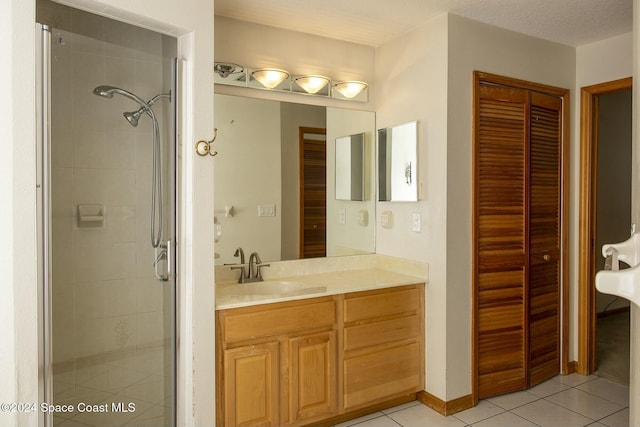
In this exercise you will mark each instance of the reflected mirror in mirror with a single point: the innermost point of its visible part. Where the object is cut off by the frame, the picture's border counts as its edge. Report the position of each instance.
(275, 181)
(398, 163)
(350, 160)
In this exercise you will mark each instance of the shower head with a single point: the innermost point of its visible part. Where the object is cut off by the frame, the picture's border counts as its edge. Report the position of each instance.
(104, 91)
(133, 116)
(108, 91)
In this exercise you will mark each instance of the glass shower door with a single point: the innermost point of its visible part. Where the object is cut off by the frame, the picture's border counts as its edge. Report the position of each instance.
(110, 279)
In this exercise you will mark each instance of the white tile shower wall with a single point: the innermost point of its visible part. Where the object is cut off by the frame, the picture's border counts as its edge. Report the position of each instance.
(109, 309)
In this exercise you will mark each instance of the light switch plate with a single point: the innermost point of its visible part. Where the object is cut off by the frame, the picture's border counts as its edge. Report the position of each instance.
(342, 216)
(416, 222)
(266, 210)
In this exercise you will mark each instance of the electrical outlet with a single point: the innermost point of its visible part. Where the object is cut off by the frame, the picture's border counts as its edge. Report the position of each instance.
(386, 219)
(363, 217)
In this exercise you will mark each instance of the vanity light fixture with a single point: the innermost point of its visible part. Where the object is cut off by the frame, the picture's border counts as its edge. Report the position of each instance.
(225, 69)
(350, 89)
(270, 77)
(312, 84)
(232, 74)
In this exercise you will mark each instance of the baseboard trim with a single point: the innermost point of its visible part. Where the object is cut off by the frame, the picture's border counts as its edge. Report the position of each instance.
(445, 408)
(572, 367)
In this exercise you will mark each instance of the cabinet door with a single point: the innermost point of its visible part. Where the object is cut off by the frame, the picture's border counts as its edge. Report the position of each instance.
(251, 385)
(312, 377)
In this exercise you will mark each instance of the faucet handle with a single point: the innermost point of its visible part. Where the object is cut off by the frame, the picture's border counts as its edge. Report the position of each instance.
(259, 267)
(242, 277)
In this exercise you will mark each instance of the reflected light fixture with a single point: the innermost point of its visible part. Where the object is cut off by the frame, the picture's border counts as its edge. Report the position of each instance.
(312, 84)
(225, 69)
(350, 89)
(270, 77)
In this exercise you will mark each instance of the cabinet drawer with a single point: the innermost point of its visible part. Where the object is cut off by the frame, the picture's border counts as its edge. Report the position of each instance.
(376, 333)
(279, 320)
(381, 375)
(384, 303)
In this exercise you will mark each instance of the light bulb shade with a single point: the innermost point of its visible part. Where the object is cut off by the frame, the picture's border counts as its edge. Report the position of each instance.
(312, 84)
(350, 89)
(270, 77)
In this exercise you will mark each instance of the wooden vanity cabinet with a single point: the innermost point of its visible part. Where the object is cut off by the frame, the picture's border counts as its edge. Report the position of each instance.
(277, 363)
(305, 362)
(383, 353)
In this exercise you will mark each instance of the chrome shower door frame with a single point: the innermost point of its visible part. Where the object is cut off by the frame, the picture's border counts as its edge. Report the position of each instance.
(44, 221)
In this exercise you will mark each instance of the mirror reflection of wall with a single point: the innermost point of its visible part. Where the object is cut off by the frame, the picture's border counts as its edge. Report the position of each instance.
(398, 163)
(257, 174)
(350, 161)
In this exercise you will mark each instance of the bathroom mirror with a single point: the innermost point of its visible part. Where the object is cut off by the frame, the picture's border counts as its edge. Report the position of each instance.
(398, 163)
(350, 161)
(275, 180)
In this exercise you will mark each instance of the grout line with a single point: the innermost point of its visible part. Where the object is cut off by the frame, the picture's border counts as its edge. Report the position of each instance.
(608, 400)
(521, 417)
(571, 410)
(621, 410)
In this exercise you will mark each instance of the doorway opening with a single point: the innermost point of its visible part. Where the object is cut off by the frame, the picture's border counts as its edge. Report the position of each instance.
(605, 197)
(107, 219)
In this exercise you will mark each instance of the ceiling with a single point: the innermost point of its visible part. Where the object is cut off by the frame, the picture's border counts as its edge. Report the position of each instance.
(375, 22)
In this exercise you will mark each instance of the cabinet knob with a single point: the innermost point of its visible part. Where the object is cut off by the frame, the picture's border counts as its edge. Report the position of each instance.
(546, 257)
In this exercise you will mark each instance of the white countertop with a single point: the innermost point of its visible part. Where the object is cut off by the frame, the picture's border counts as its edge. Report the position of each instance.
(231, 294)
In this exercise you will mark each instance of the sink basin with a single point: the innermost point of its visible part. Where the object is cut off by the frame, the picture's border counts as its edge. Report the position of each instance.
(271, 288)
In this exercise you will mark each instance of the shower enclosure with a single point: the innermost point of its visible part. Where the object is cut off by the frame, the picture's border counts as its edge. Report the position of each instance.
(108, 220)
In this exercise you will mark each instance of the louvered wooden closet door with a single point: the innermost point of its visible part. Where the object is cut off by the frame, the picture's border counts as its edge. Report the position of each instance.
(544, 219)
(517, 239)
(501, 241)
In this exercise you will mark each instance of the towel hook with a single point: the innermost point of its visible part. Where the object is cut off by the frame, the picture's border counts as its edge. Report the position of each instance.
(204, 147)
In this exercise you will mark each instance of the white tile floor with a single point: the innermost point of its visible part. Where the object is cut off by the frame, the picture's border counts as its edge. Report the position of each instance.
(568, 401)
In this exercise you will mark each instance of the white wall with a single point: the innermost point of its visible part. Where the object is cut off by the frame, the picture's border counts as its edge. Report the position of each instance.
(411, 82)
(18, 291)
(192, 22)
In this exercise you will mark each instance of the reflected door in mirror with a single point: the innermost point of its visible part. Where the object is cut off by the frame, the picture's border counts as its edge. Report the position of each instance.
(313, 192)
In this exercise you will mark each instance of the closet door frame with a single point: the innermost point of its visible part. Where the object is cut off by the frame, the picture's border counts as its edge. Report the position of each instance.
(480, 78)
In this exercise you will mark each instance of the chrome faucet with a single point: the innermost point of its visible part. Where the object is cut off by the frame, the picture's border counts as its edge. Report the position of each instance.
(255, 275)
(252, 273)
(239, 252)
